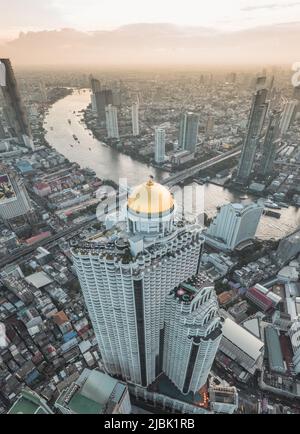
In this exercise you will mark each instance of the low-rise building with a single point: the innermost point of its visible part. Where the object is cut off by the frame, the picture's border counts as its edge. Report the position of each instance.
(94, 393)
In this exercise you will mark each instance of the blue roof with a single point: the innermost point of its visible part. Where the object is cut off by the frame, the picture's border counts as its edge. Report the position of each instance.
(274, 350)
(24, 166)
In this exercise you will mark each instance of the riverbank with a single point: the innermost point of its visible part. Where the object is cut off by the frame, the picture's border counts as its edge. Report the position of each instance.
(110, 164)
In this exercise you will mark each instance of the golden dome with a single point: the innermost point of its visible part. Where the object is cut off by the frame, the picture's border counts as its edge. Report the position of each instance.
(150, 198)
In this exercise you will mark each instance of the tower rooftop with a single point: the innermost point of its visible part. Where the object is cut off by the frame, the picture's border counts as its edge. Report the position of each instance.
(150, 198)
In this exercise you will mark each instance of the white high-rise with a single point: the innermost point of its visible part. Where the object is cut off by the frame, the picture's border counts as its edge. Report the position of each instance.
(287, 116)
(135, 119)
(235, 223)
(127, 284)
(193, 333)
(160, 143)
(111, 114)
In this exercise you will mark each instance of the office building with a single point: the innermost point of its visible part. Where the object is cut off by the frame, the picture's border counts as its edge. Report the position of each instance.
(160, 143)
(14, 199)
(127, 281)
(233, 225)
(255, 123)
(270, 145)
(188, 135)
(135, 119)
(14, 110)
(288, 116)
(103, 98)
(209, 126)
(95, 84)
(192, 333)
(111, 114)
(94, 392)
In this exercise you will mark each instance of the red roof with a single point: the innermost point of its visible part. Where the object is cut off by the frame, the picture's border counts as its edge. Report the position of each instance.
(38, 237)
(260, 296)
(41, 185)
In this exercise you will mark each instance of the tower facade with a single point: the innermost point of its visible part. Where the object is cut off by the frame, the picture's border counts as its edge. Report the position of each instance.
(288, 115)
(255, 123)
(111, 114)
(127, 284)
(270, 145)
(193, 333)
(188, 131)
(160, 145)
(14, 110)
(103, 98)
(234, 224)
(135, 119)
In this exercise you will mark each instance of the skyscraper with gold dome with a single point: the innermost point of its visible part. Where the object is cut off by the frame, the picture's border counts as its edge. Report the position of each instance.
(129, 282)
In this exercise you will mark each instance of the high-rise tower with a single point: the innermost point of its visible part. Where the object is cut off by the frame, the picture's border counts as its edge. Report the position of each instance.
(193, 333)
(135, 119)
(14, 109)
(234, 224)
(288, 115)
(112, 128)
(160, 143)
(255, 123)
(128, 284)
(188, 131)
(270, 144)
(102, 98)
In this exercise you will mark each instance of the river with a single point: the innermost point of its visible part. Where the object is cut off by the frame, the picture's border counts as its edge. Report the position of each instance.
(111, 164)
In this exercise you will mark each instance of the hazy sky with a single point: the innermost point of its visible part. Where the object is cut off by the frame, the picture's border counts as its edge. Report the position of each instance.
(24, 15)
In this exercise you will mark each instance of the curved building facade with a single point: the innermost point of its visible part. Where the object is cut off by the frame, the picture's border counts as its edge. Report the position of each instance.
(234, 224)
(193, 333)
(127, 285)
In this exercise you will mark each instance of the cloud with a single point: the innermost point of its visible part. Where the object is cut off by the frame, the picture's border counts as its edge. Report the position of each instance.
(157, 44)
(270, 6)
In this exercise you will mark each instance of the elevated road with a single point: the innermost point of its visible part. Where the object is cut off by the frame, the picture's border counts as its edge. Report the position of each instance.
(73, 230)
(181, 176)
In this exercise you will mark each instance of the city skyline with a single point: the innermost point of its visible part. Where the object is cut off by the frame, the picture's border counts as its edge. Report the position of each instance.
(150, 209)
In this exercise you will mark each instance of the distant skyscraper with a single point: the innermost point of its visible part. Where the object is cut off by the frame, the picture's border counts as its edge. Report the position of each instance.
(188, 131)
(288, 116)
(160, 142)
(270, 145)
(103, 98)
(135, 119)
(209, 126)
(112, 128)
(14, 109)
(95, 84)
(127, 283)
(234, 224)
(255, 123)
(260, 82)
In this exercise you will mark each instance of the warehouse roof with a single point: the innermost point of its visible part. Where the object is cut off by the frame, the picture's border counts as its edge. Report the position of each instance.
(240, 337)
